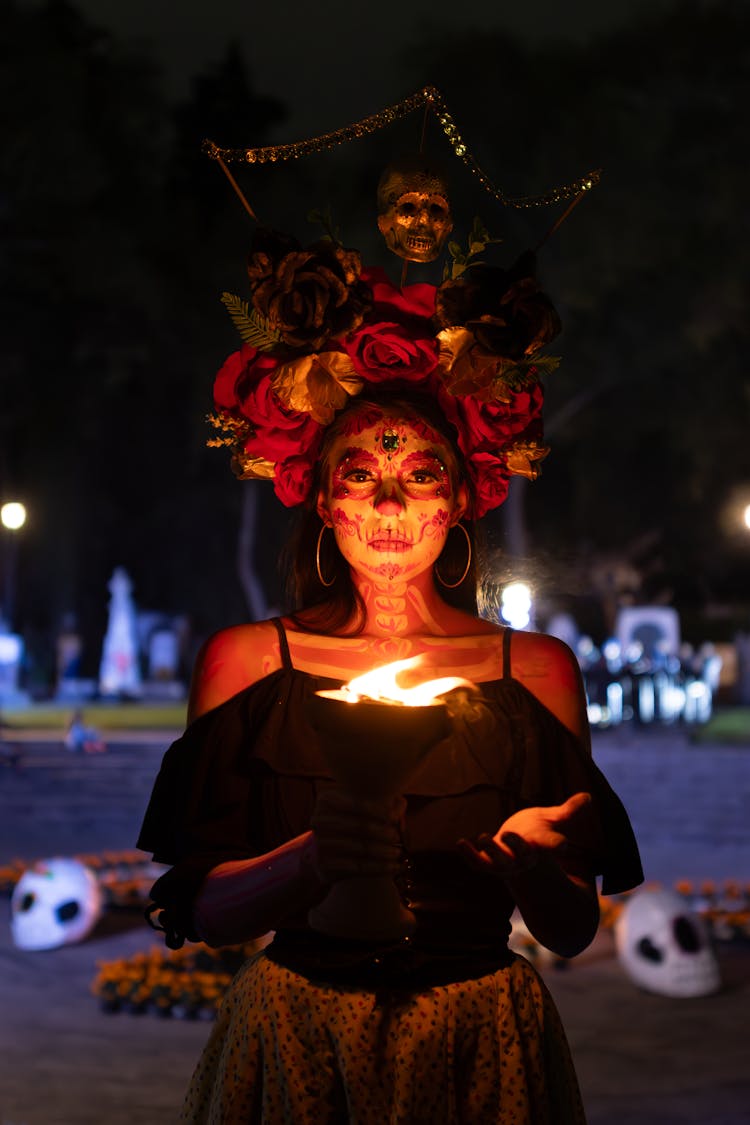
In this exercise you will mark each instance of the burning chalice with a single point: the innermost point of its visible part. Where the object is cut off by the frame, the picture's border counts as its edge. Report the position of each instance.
(373, 736)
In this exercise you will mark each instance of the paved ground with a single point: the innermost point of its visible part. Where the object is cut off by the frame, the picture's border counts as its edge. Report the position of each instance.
(641, 1058)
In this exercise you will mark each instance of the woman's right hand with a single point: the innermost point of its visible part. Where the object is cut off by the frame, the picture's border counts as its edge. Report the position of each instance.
(355, 837)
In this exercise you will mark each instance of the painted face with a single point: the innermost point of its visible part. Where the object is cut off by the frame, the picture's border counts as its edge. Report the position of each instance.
(390, 499)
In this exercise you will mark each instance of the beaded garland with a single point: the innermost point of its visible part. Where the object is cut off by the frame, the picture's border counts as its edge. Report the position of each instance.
(429, 97)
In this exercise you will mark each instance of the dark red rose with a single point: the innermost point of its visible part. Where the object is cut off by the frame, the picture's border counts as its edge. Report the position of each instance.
(525, 321)
(310, 296)
(505, 309)
(238, 372)
(278, 433)
(386, 350)
(268, 247)
(461, 299)
(293, 480)
(259, 267)
(490, 478)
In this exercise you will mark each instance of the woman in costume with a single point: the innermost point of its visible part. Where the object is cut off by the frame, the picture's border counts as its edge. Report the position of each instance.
(394, 417)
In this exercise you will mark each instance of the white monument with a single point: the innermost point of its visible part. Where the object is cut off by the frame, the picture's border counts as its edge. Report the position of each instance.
(655, 627)
(119, 673)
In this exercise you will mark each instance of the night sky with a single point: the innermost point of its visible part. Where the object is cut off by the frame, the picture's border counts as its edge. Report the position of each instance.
(335, 61)
(656, 102)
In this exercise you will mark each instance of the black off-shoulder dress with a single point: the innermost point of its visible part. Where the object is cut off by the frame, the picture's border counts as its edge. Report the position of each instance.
(447, 1027)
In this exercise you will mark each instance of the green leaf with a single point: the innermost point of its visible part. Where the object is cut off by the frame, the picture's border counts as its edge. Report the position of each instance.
(479, 231)
(546, 364)
(252, 327)
(527, 371)
(326, 221)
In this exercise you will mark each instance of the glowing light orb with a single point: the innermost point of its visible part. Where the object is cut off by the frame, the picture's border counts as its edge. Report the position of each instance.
(515, 606)
(13, 516)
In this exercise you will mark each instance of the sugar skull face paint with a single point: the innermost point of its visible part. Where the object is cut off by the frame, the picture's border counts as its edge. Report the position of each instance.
(390, 499)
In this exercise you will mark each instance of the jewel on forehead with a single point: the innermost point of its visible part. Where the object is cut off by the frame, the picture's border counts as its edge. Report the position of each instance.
(390, 441)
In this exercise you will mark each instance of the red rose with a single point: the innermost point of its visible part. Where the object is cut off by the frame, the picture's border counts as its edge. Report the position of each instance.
(487, 426)
(386, 350)
(278, 433)
(482, 426)
(239, 370)
(411, 301)
(293, 480)
(490, 477)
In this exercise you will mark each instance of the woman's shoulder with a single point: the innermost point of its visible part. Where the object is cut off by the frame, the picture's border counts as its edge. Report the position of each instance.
(548, 668)
(231, 660)
(541, 650)
(461, 623)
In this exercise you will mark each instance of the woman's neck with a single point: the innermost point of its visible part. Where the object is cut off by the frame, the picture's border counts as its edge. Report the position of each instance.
(403, 609)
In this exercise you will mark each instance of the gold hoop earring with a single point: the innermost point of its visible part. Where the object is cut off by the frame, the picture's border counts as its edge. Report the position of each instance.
(453, 585)
(317, 560)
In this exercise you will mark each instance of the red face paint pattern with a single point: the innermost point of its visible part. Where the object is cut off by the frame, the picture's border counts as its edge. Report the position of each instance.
(421, 475)
(391, 506)
(347, 525)
(358, 421)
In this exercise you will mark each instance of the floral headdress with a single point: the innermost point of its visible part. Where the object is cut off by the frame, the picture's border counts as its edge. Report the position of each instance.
(319, 330)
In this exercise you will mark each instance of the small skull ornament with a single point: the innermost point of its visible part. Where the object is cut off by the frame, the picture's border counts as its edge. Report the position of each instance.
(414, 214)
(664, 946)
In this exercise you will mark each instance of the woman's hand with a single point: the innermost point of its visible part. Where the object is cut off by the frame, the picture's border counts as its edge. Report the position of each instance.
(353, 837)
(559, 906)
(527, 837)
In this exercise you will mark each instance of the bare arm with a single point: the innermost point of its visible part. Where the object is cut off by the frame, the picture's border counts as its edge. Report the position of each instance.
(550, 671)
(559, 905)
(530, 852)
(243, 899)
(561, 910)
(230, 661)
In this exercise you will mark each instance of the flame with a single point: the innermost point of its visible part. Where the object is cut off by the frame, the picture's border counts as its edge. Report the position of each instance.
(381, 685)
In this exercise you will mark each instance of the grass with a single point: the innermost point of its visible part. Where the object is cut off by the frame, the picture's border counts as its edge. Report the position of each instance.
(103, 716)
(728, 725)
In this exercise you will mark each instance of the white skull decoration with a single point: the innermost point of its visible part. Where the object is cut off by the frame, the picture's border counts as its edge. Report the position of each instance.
(414, 214)
(55, 902)
(664, 947)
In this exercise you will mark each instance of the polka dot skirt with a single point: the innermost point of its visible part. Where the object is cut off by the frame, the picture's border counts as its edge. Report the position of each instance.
(284, 1051)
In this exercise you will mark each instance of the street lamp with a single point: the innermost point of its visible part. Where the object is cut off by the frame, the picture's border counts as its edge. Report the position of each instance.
(12, 517)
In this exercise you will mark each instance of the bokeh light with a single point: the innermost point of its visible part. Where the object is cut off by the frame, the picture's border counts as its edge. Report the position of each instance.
(13, 515)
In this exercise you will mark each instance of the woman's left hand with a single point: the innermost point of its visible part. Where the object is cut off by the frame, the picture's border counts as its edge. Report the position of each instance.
(526, 837)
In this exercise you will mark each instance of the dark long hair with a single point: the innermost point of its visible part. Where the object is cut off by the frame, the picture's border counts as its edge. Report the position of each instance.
(338, 608)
